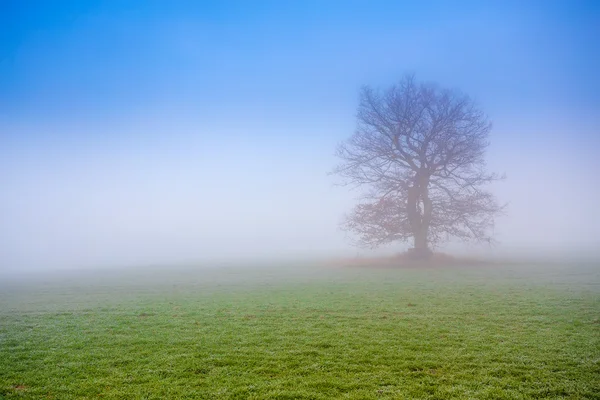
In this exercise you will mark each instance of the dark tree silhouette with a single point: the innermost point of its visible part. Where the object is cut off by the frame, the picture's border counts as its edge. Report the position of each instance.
(419, 150)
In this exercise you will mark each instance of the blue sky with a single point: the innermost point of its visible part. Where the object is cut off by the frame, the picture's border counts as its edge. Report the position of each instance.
(140, 131)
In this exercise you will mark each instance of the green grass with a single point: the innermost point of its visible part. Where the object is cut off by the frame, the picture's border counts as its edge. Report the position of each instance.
(304, 333)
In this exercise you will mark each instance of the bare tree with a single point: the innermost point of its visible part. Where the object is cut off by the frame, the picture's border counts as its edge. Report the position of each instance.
(419, 150)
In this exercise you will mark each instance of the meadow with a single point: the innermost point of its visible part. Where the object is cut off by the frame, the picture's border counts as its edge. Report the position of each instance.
(303, 332)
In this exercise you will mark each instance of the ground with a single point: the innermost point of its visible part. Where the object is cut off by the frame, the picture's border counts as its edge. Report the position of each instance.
(304, 332)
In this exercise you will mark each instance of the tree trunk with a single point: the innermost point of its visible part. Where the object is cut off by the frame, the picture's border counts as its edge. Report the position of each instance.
(419, 218)
(421, 249)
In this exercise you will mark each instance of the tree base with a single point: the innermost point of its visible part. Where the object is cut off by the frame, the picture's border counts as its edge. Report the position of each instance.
(419, 254)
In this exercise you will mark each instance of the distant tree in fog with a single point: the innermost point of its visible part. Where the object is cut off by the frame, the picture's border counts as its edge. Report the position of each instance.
(419, 151)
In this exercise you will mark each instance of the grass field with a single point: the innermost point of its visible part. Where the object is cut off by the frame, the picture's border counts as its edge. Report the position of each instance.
(303, 332)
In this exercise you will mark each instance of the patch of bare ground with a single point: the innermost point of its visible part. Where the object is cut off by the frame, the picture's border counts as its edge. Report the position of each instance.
(406, 260)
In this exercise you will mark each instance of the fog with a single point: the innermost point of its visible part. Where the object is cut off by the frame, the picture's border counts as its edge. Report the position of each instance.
(180, 137)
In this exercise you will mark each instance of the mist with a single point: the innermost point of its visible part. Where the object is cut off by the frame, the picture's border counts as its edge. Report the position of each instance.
(160, 137)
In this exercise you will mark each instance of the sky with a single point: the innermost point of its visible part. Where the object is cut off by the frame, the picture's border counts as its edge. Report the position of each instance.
(148, 132)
